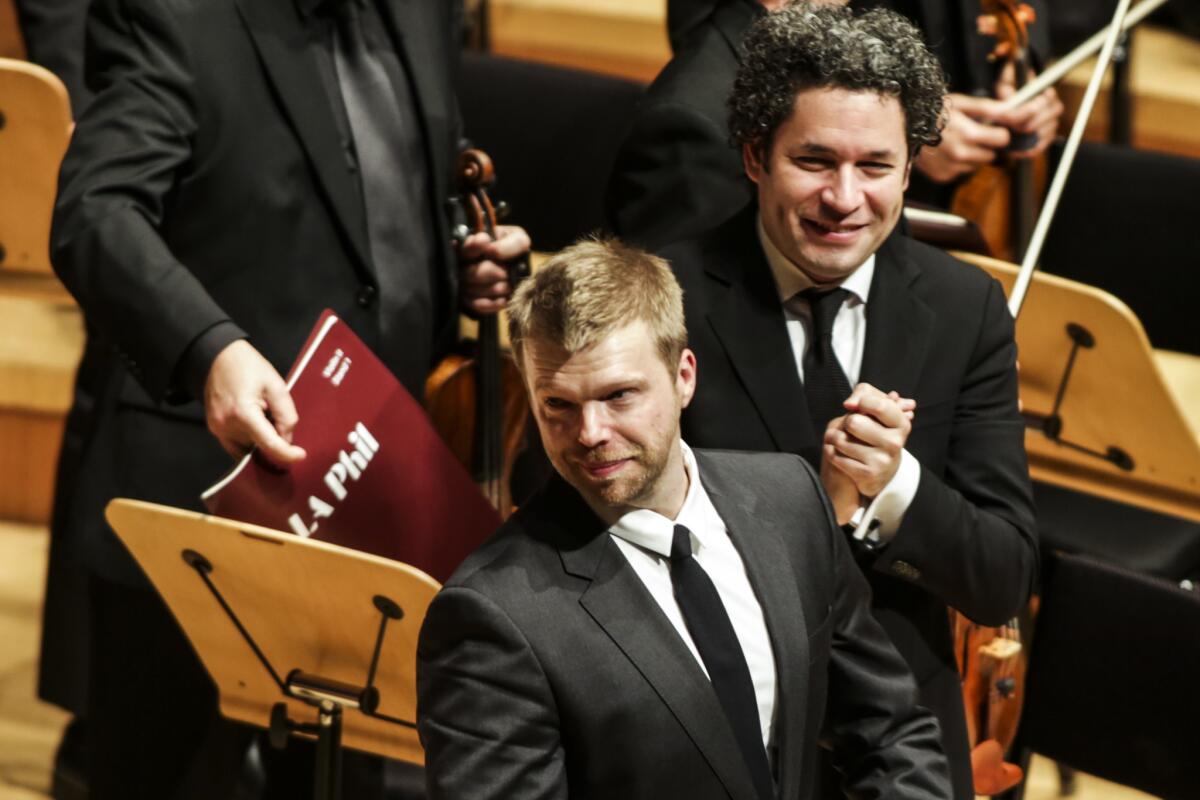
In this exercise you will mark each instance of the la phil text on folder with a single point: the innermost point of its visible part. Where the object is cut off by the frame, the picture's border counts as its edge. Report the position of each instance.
(377, 477)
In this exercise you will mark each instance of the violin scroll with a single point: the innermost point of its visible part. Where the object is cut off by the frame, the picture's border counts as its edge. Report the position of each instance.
(472, 209)
(1008, 22)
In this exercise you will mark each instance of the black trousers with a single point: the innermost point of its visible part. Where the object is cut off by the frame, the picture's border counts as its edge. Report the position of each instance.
(153, 727)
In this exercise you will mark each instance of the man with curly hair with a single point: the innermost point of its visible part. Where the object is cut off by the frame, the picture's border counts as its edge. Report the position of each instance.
(887, 364)
(676, 175)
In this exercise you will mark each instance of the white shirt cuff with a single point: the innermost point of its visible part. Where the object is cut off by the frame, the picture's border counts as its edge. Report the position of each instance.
(880, 520)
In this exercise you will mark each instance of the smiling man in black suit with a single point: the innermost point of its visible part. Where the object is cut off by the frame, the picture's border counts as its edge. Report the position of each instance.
(818, 326)
(676, 176)
(659, 621)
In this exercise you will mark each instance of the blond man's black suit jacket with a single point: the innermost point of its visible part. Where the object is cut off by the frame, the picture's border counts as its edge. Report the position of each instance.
(546, 669)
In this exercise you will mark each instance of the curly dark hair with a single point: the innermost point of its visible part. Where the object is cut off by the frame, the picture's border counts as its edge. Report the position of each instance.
(807, 46)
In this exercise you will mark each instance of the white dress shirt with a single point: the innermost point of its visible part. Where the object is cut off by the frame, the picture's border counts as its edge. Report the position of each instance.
(644, 537)
(880, 519)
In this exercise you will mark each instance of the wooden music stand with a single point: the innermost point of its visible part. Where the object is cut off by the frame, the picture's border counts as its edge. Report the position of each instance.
(291, 629)
(1107, 414)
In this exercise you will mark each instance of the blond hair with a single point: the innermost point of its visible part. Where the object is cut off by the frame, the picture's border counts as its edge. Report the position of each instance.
(587, 291)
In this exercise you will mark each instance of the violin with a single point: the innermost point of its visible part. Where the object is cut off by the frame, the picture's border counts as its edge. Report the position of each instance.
(1001, 198)
(475, 397)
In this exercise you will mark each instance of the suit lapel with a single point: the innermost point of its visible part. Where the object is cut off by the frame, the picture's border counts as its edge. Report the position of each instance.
(620, 604)
(750, 326)
(286, 51)
(762, 547)
(899, 324)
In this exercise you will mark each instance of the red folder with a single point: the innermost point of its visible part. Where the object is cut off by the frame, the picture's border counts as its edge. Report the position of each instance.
(377, 477)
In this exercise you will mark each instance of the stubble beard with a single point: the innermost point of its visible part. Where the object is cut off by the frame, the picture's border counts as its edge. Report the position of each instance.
(638, 480)
(626, 490)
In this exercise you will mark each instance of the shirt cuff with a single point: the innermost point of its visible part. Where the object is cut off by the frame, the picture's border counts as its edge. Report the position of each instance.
(191, 373)
(879, 521)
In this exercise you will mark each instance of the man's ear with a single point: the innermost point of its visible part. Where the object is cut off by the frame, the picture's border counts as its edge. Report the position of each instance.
(685, 377)
(752, 161)
(908, 171)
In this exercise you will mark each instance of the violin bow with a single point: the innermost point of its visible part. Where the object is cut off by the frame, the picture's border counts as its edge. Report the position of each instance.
(1058, 70)
(1050, 205)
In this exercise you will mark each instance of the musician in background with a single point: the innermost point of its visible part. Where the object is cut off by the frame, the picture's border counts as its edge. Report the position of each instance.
(243, 165)
(676, 175)
(816, 324)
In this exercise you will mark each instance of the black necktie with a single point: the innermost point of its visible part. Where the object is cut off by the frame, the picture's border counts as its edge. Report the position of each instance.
(713, 635)
(825, 384)
(389, 159)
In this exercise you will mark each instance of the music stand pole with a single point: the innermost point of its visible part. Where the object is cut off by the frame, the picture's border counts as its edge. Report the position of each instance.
(329, 752)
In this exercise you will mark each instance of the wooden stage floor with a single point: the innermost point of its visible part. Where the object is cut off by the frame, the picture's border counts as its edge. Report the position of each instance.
(29, 729)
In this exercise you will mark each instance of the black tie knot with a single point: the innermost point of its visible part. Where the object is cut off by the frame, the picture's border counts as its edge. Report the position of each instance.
(825, 383)
(681, 544)
(825, 304)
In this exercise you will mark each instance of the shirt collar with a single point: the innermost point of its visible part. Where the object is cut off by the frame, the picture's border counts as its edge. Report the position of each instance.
(652, 531)
(790, 280)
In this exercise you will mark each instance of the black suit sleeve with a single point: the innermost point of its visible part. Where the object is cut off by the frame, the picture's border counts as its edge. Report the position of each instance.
(485, 712)
(883, 743)
(125, 159)
(971, 536)
(676, 175)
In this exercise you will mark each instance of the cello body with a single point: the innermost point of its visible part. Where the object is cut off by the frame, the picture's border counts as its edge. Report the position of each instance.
(450, 399)
(1001, 198)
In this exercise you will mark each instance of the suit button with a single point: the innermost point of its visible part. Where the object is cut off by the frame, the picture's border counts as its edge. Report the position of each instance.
(366, 296)
(906, 570)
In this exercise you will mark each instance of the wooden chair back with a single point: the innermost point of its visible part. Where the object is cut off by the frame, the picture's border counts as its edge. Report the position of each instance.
(35, 125)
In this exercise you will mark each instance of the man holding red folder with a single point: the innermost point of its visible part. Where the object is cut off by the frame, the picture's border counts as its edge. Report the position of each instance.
(244, 165)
